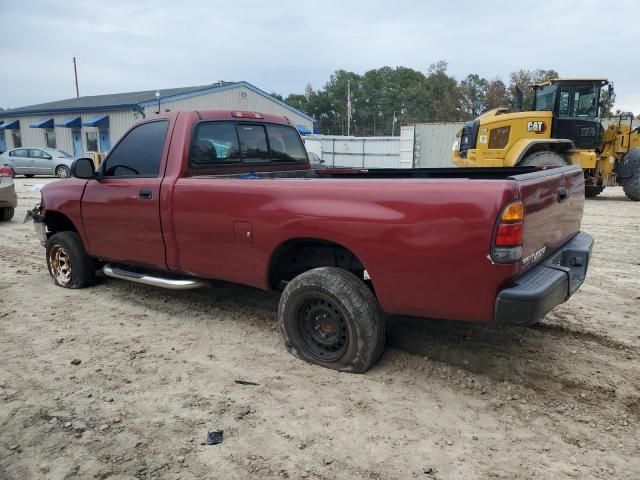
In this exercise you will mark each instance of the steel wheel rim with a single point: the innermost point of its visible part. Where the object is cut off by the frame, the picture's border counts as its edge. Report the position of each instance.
(62, 172)
(323, 329)
(60, 264)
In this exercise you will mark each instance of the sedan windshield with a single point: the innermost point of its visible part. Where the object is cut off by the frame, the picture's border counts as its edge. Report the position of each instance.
(62, 153)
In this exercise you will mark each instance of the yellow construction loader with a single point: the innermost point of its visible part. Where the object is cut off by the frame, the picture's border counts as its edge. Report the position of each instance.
(563, 128)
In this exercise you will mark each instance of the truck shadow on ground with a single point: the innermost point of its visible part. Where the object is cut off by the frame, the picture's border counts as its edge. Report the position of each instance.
(546, 358)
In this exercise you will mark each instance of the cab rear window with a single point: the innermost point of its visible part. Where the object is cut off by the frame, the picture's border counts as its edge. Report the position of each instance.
(224, 143)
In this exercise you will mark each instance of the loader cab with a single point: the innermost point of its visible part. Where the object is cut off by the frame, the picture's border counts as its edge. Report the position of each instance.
(575, 104)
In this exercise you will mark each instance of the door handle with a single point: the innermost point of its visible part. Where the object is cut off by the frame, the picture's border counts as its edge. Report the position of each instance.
(563, 194)
(145, 193)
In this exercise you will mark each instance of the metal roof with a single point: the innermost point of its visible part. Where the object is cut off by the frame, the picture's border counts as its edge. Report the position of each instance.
(137, 100)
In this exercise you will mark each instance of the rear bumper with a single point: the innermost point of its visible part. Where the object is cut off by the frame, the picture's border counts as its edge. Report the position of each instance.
(545, 286)
(8, 197)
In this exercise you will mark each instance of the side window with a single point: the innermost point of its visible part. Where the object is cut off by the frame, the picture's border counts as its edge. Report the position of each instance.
(286, 145)
(253, 142)
(20, 153)
(139, 153)
(35, 153)
(564, 109)
(215, 143)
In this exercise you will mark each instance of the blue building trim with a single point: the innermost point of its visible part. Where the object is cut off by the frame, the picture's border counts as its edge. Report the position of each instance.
(48, 123)
(99, 108)
(74, 122)
(101, 121)
(14, 125)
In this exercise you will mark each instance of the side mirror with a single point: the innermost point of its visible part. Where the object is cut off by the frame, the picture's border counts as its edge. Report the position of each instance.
(83, 168)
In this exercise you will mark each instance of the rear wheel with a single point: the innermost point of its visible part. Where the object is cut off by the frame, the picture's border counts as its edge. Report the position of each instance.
(6, 214)
(329, 317)
(631, 185)
(543, 159)
(62, 171)
(68, 262)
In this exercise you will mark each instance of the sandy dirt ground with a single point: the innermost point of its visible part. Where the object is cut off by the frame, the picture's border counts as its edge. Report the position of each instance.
(448, 400)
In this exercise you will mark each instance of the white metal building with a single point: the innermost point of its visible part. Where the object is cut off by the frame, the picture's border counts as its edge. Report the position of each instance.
(95, 123)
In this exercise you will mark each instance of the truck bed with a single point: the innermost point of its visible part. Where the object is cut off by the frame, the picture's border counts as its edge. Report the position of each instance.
(501, 173)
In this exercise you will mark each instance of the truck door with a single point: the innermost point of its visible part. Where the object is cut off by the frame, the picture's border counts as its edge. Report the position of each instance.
(121, 209)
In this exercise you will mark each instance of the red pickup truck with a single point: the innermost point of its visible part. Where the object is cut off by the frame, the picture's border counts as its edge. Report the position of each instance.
(190, 196)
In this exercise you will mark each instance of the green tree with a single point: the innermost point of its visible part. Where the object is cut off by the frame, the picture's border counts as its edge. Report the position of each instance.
(473, 95)
(496, 94)
(524, 79)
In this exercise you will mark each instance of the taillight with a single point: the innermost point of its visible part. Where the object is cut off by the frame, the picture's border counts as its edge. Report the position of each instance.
(6, 172)
(508, 237)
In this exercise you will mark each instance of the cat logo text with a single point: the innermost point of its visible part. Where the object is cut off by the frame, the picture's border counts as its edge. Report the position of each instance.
(538, 127)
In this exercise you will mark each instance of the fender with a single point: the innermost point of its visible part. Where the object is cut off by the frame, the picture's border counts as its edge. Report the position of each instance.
(525, 146)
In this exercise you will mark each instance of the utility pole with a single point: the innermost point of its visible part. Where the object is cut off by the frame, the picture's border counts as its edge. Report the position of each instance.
(393, 123)
(75, 73)
(348, 107)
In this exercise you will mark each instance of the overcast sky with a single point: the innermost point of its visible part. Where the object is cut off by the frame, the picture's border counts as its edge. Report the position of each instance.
(281, 45)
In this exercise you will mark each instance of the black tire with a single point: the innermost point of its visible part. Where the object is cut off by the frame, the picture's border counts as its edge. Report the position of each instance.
(62, 171)
(29, 175)
(591, 191)
(543, 159)
(6, 214)
(631, 185)
(338, 301)
(68, 262)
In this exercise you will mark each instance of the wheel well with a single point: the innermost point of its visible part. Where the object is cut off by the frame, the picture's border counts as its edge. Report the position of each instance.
(555, 147)
(299, 255)
(58, 222)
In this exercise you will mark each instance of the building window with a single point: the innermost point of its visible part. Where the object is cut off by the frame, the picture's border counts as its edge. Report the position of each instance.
(50, 137)
(92, 141)
(17, 138)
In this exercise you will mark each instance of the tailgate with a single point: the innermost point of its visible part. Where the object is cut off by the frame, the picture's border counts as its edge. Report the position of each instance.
(553, 204)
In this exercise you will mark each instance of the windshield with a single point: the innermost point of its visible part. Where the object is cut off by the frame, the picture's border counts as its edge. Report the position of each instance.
(545, 98)
(62, 153)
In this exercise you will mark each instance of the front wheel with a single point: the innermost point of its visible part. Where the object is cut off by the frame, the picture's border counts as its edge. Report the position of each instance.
(68, 262)
(543, 159)
(6, 214)
(63, 171)
(329, 317)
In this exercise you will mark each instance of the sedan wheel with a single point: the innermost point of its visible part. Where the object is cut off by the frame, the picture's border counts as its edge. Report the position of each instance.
(62, 172)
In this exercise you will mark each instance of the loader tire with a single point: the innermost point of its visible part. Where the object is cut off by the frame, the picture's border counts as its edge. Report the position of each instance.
(592, 191)
(329, 317)
(543, 159)
(631, 185)
(68, 262)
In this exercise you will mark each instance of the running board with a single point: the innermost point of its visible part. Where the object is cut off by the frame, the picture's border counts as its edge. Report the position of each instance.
(154, 280)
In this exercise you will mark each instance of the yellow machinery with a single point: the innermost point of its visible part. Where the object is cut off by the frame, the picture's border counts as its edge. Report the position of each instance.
(563, 128)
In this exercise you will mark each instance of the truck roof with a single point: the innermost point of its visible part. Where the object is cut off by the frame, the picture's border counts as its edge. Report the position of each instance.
(232, 115)
(602, 81)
